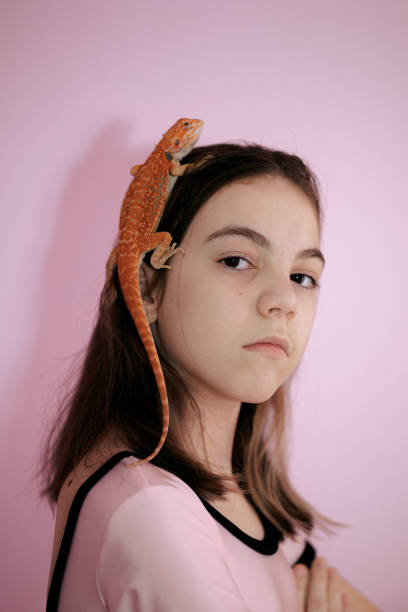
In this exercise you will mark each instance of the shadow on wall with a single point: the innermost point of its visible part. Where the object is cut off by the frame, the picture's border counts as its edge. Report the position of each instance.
(86, 225)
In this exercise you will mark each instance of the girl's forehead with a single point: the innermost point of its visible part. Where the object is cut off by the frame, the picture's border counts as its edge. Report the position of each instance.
(261, 203)
(269, 190)
(267, 198)
(265, 182)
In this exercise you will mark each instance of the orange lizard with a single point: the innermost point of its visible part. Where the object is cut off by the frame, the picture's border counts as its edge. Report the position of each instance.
(140, 214)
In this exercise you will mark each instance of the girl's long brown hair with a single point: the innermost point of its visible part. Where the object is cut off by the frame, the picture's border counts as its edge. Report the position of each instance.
(115, 389)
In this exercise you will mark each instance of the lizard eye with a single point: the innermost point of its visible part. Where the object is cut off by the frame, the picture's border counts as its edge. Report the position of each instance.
(186, 124)
(176, 142)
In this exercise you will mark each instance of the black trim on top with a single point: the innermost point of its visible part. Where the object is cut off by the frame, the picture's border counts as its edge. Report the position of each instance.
(267, 546)
(307, 555)
(61, 561)
(272, 536)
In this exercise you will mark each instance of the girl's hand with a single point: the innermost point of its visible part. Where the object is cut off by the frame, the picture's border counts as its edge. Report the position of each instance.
(319, 589)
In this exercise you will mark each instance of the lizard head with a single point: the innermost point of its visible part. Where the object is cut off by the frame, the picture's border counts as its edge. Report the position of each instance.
(181, 137)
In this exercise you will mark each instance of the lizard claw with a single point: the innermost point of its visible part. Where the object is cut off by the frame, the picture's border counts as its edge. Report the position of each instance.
(158, 261)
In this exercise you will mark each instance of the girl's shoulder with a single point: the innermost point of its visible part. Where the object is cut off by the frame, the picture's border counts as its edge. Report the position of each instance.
(101, 483)
(111, 460)
(106, 478)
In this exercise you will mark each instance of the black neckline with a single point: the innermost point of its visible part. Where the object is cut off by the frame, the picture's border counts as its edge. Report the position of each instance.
(267, 546)
(272, 536)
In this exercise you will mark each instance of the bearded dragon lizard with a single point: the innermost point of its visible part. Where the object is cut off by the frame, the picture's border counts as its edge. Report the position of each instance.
(140, 215)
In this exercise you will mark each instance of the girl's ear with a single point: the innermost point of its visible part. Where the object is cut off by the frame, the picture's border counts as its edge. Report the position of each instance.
(150, 298)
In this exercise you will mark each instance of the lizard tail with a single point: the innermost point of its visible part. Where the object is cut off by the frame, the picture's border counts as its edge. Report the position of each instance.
(131, 293)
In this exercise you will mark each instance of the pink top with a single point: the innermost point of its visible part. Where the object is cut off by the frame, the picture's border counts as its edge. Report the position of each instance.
(144, 541)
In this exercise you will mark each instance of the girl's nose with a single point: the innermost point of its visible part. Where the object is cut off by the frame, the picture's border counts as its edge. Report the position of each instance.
(278, 295)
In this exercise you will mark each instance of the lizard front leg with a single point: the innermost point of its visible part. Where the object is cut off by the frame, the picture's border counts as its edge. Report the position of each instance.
(163, 251)
(135, 168)
(176, 169)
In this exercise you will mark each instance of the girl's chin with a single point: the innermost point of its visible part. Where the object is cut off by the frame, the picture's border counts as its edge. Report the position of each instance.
(258, 397)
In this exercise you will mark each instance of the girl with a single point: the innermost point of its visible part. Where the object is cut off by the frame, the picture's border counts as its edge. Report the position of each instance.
(211, 523)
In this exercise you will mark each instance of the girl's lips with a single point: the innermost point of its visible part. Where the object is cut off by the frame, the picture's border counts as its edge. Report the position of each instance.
(272, 350)
(275, 339)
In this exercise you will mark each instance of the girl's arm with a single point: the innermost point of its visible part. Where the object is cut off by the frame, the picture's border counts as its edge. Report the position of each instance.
(358, 600)
(305, 577)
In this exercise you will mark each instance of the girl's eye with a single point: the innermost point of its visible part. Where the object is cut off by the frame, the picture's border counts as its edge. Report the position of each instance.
(236, 258)
(313, 280)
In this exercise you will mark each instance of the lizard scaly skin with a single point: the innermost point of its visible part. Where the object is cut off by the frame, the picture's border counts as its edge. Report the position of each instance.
(140, 214)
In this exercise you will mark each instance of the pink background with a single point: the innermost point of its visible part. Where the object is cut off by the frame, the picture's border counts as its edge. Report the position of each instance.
(87, 89)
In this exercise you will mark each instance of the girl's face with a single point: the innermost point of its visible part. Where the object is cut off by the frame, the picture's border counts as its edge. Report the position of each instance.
(228, 292)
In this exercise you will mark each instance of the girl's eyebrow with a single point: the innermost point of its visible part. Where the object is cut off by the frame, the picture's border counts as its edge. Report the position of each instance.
(261, 240)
